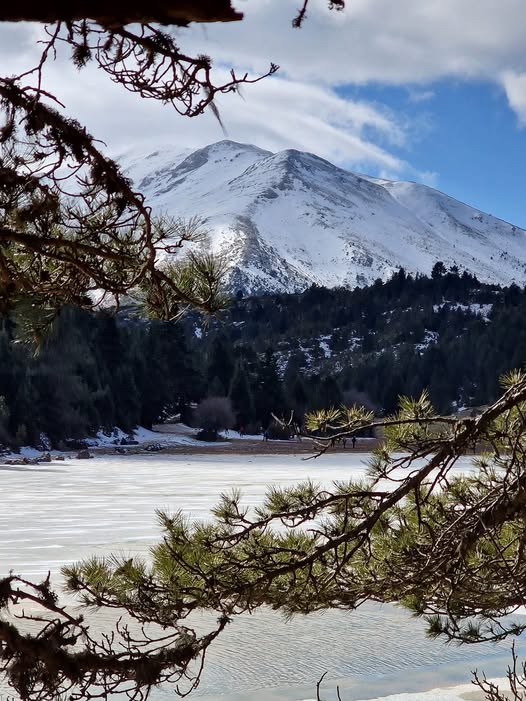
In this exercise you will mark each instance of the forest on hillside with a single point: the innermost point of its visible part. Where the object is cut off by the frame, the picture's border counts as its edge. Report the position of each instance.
(277, 354)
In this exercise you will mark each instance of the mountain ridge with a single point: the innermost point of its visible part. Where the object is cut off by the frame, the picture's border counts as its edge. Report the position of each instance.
(289, 219)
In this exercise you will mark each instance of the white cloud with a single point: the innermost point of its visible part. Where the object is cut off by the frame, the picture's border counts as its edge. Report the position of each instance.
(417, 96)
(276, 113)
(515, 87)
(407, 42)
(427, 177)
(377, 40)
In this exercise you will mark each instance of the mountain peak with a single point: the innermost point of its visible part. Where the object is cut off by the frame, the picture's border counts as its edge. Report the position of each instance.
(289, 219)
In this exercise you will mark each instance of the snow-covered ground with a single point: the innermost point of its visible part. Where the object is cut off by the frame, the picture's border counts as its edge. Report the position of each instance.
(58, 512)
(460, 692)
(171, 435)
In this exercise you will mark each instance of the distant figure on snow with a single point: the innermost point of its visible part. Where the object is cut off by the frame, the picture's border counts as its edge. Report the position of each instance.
(241, 431)
(265, 435)
(354, 441)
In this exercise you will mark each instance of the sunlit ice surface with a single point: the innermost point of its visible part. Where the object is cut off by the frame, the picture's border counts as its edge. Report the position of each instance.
(57, 513)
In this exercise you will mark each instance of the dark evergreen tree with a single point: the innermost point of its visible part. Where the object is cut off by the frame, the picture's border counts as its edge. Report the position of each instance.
(439, 269)
(242, 397)
(220, 367)
(268, 393)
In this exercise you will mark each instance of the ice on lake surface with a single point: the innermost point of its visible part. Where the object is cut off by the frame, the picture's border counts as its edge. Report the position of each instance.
(57, 513)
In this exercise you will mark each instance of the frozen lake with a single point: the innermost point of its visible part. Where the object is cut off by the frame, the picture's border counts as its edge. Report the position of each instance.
(57, 513)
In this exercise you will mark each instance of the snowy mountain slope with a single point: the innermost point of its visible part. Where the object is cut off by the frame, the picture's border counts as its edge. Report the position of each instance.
(285, 220)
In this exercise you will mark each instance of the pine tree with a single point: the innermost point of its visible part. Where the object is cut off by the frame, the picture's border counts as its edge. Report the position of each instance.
(241, 396)
(220, 368)
(268, 393)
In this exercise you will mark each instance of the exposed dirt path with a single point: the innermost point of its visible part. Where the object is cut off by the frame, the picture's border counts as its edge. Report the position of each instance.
(249, 446)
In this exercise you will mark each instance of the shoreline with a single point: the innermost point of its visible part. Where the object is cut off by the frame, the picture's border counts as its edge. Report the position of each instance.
(236, 446)
(179, 439)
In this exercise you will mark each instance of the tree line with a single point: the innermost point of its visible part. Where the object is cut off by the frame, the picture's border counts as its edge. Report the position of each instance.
(91, 372)
(273, 355)
(448, 333)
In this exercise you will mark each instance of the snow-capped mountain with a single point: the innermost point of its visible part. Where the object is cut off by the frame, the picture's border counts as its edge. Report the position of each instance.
(289, 219)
